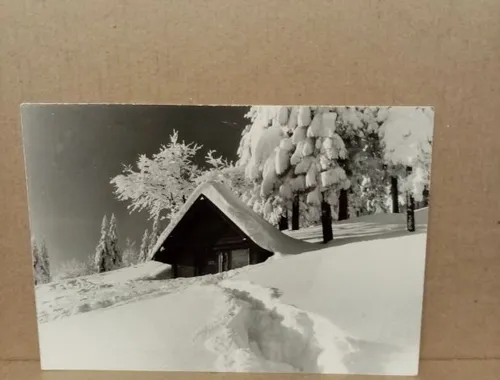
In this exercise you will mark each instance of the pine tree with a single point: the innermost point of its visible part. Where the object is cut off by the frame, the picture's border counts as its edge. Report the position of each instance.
(114, 248)
(359, 129)
(291, 155)
(44, 256)
(144, 250)
(257, 157)
(406, 136)
(35, 257)
(41, 264)
(102, 258)
(318, 158)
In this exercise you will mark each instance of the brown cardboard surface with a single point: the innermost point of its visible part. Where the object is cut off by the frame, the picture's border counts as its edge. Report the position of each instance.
(455, 369)
(441, 53)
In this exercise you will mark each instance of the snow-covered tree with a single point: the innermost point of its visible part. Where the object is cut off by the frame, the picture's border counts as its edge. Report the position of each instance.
(44, 258)
(75, 268)
(114, 248)
(223, 171)
(263, 170)
(407, 139)
(364, 166)
(35, 260)
(144, 250)
(160, 183)
(103, 259)
(41, 265)
(155, 233)
(130, 253)
(291, 155)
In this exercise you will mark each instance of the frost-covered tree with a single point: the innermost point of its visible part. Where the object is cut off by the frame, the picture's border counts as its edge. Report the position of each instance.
(227, 172)
(103, 259)
(318, 149)
(35, 260)
(44, 258)
(75, 268)
(114, 248)
(41, 265)
(155, 233)
(160, 183)
(364, 166)
(144, 250)
(291, 155)
(264, 165)
(256, 154)
(130, 253)
(407, 139)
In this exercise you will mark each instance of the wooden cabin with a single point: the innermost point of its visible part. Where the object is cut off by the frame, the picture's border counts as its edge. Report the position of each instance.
(204, 239)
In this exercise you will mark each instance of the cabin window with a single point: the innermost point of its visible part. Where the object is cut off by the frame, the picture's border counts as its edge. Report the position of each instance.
(239, 258)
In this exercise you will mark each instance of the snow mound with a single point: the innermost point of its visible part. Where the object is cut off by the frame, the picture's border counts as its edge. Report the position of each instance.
(261, 334)
(343, 308)
(260, 231)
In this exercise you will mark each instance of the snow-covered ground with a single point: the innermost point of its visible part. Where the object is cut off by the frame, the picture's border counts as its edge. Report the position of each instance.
(352, 306)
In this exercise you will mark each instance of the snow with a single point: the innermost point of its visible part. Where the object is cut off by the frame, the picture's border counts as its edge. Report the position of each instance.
(405, 132)
(311, 176)
(253, 225)
(314, 197)
(307, 147)
(262, 140)
(282, 161)
(304, 116)
(352, 306)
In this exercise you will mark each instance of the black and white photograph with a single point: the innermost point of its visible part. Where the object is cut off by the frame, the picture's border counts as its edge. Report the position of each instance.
(229, 238)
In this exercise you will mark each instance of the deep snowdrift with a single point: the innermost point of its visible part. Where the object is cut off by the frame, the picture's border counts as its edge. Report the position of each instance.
(345, 308)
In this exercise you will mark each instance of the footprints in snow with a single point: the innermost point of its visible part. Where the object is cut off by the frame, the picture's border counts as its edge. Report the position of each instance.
(259, 333)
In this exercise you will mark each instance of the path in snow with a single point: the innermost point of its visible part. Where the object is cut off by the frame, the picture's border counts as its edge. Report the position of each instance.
(258, 333)
(253, 331)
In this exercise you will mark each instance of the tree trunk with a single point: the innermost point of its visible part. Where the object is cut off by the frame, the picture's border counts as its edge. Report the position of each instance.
(395, 194)
(425, 196)
(410, 207)
(295, 213)
(343, 205)
(283, 223)
(326, 221)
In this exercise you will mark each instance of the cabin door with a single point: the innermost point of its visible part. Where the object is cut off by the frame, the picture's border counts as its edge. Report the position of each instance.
(223, 261)
(233, 259)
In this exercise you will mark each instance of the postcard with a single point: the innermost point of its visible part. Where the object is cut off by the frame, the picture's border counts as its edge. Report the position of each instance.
(229, 238)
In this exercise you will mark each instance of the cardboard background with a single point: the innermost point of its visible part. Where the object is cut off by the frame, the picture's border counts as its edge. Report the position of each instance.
(443, 53)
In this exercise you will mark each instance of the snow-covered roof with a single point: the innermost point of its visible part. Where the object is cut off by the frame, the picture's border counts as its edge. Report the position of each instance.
(260, 231)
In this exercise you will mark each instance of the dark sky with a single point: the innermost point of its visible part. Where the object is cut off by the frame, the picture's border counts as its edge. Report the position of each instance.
(72, 152)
